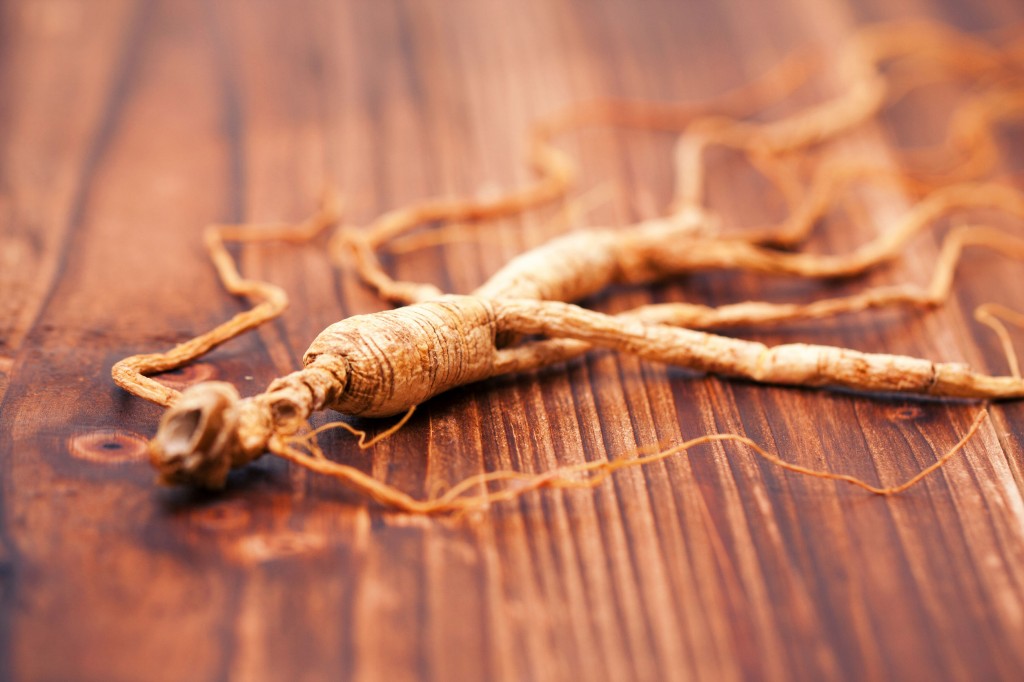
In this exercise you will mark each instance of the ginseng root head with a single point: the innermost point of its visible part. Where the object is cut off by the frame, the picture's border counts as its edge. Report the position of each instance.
(197, 440)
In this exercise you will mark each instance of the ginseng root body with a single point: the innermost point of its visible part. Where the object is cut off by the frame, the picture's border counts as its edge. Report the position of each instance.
(385, 363)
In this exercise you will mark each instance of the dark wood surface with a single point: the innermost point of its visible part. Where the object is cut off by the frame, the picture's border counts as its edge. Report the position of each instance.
(126, 126)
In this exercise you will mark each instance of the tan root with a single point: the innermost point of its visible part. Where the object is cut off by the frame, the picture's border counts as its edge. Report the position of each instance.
(389, 362)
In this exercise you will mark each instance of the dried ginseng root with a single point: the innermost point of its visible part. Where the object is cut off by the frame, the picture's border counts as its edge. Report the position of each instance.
(389, 362)
(436, 345)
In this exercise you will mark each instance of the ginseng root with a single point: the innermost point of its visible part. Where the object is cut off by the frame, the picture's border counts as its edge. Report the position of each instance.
(385, 363)
(389, 362)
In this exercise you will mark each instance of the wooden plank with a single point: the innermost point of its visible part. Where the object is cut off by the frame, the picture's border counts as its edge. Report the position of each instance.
(713, 566)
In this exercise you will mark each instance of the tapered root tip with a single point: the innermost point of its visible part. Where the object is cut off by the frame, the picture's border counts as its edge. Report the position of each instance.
(198, 436)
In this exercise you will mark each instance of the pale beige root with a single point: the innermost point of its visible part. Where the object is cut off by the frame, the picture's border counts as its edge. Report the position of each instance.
(130, 373)
(538, 354)
(583, 263)
(757, 313)
(971, 149)
(860, 63)
(992, 315)
(571, 212)
(860, 101)
(366, 365)
(388, 362)
(574, 266)
(396, 359)
(795, 364)
(556, 172)
(835, 176)
(554, 168)
(586, 262)
(863, 96)
(831, 180)
(858, 104)
(197, 440)
(938, 55)
(210, 429)
(916, 42)
(969, 152)
(736, 253)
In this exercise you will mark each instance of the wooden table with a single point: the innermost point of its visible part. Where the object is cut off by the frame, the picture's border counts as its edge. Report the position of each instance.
(126, 126)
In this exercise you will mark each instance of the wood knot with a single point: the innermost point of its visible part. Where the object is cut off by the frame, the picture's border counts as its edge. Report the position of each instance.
(109, 446)
(223, 517)
(183, 377)
(905, 413)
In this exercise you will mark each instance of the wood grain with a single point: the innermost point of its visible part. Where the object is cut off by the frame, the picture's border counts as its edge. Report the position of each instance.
(126, 126)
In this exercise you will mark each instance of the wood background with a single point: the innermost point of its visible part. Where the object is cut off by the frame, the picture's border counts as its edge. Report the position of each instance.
(125, 126)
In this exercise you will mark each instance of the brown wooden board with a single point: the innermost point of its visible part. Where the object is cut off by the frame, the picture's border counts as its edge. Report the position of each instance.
(126, 126)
